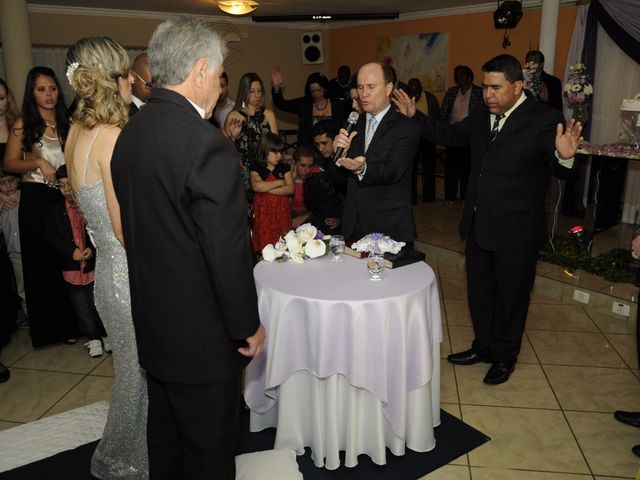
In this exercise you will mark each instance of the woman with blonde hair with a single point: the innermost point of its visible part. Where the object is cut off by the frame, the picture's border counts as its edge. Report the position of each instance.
(99, 72)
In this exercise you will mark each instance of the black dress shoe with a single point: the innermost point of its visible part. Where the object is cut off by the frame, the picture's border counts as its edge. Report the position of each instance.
(636, 450)
(468, 357)
(499, 372)
(5, 373)
(630, 418)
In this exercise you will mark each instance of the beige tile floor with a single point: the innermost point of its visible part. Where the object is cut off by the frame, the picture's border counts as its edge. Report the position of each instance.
(552, 421)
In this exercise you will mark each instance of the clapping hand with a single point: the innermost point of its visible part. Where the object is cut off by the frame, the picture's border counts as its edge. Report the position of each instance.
(568, 142)
(233, 127)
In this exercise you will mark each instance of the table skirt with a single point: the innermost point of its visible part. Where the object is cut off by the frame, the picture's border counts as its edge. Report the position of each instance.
(330, 415)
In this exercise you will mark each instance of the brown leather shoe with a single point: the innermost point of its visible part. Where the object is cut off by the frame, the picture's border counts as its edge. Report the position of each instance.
(499, 372)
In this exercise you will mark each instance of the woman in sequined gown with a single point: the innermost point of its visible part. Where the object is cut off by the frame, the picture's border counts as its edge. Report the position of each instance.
(246, 124)
(99, 72)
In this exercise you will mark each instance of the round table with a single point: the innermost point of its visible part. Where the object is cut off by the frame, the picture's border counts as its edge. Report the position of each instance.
(349, 364)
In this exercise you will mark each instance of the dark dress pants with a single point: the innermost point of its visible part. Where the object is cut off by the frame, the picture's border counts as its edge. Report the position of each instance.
(193, 429)
(456, 171)
(499, 289)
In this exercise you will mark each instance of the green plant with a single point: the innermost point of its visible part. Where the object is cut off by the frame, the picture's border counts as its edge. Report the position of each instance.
(614, 266)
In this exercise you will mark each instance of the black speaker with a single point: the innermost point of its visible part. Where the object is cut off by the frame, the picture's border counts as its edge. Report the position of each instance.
(508, 14)
(312, 50)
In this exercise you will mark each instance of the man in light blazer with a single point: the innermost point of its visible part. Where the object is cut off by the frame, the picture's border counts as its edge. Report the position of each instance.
(516, 143)
(377, 161)
(193, 297)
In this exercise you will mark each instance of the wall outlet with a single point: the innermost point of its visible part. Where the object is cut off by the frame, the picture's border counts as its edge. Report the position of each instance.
(580, 296)
(621, 309)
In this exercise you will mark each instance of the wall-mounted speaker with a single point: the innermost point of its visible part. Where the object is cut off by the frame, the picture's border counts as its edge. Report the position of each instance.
(312, 50)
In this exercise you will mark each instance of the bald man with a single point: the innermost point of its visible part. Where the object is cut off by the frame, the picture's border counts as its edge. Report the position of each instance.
(378, 161)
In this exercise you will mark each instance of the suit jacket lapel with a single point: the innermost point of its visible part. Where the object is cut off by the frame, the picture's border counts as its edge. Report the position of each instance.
(518, 118)
(387, 121)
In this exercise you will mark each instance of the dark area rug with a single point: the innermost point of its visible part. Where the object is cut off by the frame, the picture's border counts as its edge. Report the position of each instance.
(453, 439)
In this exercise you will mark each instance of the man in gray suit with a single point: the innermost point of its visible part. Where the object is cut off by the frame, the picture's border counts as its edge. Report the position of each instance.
(193, 297)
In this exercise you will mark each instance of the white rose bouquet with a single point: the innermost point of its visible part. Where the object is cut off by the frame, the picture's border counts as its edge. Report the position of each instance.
(306, 241)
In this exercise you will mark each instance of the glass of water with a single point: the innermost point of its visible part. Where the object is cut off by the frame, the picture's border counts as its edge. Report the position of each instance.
(336, 244)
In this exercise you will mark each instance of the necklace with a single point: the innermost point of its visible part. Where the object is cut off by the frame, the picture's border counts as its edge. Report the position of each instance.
(326, 104)
(52, 127)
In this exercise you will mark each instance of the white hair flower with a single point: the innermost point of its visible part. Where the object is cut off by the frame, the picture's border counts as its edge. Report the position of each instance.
(70, 71)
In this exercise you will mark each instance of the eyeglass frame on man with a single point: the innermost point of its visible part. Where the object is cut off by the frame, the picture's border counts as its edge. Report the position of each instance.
(146, 84)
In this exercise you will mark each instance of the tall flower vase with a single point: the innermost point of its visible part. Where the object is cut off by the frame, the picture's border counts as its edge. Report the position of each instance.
(581, 113)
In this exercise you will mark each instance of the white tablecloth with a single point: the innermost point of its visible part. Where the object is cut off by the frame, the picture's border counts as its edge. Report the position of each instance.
(353, 342)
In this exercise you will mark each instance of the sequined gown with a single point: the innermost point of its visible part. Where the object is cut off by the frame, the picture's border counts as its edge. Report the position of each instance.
(122, 452)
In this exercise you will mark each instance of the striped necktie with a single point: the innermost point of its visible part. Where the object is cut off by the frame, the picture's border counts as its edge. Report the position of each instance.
(496, 124)
(371, 129)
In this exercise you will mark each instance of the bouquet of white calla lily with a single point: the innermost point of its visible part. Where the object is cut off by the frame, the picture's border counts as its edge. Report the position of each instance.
(315, 248)
(306, 232)
(304, 242)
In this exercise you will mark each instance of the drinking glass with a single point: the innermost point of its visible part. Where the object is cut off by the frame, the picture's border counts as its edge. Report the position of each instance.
(336, 244)
(375, 266)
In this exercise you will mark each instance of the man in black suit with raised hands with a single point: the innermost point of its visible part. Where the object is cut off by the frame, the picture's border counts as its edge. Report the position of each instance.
(516, 143)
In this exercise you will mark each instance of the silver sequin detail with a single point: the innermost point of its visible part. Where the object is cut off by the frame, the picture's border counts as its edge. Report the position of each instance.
(122, 452)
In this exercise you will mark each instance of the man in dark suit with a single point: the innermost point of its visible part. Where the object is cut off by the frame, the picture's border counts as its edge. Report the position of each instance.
(377, 160)
(141, 88)
(193, 297)
(551, 92)
(426, 104)
(516, 143)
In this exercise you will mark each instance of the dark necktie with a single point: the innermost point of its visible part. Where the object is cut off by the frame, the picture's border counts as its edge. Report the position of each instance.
(496, 124)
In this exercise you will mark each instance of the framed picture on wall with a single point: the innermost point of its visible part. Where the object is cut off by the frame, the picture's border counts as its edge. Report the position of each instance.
(423, 56)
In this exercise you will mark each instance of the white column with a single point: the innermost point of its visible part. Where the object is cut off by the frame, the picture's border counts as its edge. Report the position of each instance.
(16, 44)
(548, 31)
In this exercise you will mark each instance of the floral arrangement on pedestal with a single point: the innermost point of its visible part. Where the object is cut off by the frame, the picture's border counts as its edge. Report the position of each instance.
(578, 91)
(306, 241)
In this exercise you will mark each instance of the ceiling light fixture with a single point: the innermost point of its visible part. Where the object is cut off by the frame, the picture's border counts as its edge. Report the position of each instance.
(238, 7)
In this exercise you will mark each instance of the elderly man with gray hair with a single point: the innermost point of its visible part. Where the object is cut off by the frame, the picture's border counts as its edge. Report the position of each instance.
(193, 297)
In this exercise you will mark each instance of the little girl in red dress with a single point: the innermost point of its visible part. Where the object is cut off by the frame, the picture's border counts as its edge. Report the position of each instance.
(272, 185)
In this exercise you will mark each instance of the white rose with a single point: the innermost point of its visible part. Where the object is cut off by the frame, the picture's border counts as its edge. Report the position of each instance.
(588, 89)
(306, 232)
(567, 87)
(315, 248)
(269, 253)
(294, 245)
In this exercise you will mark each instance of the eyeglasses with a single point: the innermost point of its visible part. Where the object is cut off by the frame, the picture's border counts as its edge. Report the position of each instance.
(146, 84)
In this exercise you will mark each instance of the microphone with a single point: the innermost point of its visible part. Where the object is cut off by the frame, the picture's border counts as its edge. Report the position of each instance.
(348, 126)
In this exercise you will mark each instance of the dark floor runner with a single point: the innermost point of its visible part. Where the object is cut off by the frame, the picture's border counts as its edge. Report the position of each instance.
(453, 439)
